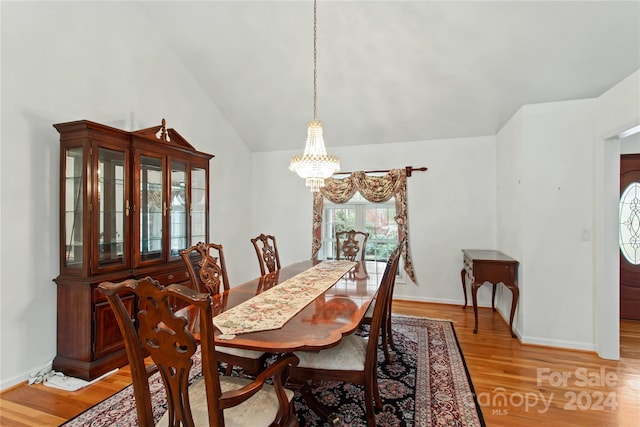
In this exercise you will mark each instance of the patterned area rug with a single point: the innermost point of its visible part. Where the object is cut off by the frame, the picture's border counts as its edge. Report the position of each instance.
(426, 385)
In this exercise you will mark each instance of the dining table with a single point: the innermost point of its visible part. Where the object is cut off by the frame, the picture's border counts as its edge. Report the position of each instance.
(332, 314)
(322, 323)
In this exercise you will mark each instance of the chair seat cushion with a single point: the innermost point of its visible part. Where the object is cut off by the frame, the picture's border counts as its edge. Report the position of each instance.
(259, 410)
(349, 355)
(249, 354)
(369, 313)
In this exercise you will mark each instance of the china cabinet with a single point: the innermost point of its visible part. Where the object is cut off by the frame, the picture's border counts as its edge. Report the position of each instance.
(129, 203)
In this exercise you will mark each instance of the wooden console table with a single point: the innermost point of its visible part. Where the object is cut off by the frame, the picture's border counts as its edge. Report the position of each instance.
(482, 266)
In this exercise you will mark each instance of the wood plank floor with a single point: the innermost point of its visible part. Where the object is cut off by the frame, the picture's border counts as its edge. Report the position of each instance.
(517, 385)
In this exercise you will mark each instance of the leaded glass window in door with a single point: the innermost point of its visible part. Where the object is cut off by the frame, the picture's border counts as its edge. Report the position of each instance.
(630, 223)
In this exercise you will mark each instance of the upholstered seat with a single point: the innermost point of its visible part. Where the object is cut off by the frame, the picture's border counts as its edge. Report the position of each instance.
(212, 400)
(208, 271)
(349, 355)
(263, 405)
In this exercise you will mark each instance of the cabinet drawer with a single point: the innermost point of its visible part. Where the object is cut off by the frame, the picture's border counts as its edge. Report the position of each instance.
(181, 277)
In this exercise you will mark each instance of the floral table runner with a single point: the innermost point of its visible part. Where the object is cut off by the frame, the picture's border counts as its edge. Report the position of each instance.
(274, 307)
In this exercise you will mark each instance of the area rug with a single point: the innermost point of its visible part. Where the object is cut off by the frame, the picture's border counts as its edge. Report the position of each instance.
(427, 384)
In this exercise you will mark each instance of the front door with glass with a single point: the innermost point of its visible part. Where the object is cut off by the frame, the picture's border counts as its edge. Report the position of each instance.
(630, 236)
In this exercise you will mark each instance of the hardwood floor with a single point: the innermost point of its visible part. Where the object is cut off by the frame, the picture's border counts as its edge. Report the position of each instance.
(516, 384)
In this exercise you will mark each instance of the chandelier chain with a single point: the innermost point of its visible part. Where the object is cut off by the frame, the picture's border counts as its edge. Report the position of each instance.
(315, 59)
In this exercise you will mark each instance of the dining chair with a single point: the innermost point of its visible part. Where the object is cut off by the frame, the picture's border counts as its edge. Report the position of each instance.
(351, 243)
(208, 271)
(387, 331)
(354, 359)
(206, 267)
(267, 253)
(211, 399)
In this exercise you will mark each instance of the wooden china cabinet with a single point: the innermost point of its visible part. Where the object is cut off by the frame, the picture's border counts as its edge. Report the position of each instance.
(129, 202)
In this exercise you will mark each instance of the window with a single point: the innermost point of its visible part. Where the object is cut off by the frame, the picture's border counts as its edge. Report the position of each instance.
(630, 223)
(378, 219)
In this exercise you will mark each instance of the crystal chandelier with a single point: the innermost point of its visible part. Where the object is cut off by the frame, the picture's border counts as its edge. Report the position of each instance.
(315, 164)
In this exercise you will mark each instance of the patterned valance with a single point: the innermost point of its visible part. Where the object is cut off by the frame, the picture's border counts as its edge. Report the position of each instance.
(375, 189)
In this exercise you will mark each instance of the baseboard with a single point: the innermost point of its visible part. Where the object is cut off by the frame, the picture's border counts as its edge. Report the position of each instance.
(24, 377)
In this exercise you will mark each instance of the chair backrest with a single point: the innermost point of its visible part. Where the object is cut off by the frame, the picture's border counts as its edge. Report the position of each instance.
(380, 308)
(267, 253)
(168, 340)
(351, 243)
(398, 253)
(206, 267)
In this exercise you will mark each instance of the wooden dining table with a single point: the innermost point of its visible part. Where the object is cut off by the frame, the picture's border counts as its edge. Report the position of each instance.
(321, 324)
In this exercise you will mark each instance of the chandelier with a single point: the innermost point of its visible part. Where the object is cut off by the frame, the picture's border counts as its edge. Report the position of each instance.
(315, 164)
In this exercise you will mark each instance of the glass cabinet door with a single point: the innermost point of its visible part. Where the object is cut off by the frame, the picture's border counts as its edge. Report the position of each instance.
(198, 205)
(178, 211)
(73, 199)
(112, 208)
(152, 208)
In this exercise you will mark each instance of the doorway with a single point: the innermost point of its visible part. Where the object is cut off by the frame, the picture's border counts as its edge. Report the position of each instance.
(629, 241)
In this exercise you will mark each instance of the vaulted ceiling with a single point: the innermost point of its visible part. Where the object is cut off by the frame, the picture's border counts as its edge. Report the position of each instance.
(395, 71)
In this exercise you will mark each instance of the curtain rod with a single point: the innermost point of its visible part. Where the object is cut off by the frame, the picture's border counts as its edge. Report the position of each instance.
(408, 169)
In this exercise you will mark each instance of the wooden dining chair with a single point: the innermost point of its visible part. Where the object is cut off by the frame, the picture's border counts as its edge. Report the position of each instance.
(267, 253)
(387, 331)
(354, 359)
(350, 244)
(206, 267)
(208, 273)
(211, 400)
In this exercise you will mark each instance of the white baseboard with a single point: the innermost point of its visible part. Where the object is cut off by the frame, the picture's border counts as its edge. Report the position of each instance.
(24, 377)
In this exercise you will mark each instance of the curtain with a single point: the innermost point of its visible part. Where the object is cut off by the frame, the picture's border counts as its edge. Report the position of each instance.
(375, 189)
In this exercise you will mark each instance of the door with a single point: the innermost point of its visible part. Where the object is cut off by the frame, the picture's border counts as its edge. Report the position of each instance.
(629, 236)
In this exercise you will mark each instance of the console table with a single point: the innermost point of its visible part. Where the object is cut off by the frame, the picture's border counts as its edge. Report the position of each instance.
(482, 266)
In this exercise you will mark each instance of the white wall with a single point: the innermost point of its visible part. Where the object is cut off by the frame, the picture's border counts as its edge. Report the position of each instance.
(451, 206)
(630, 144)
(558, 172)
(557, 223)
(509, 196)
(96, 61)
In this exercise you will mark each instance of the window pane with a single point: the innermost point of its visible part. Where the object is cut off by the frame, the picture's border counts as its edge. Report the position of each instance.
(335, 219)
(111, 207)
(151, 208)
(74, 186)
(630, 223)
(382, 229)
(178, 212)
(378, 219)
(198, 205)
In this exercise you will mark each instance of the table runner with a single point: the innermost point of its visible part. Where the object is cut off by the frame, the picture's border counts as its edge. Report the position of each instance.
(274, 307)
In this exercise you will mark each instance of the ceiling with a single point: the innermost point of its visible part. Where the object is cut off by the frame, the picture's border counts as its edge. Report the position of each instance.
(395, 71)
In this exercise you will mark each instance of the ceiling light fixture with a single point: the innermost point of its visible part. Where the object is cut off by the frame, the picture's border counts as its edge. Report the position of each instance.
(315, 164)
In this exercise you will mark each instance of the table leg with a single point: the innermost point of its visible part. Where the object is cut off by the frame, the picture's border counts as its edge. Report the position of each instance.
(514, 300)
(463, 274)
(474, 298)
(493, 296)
